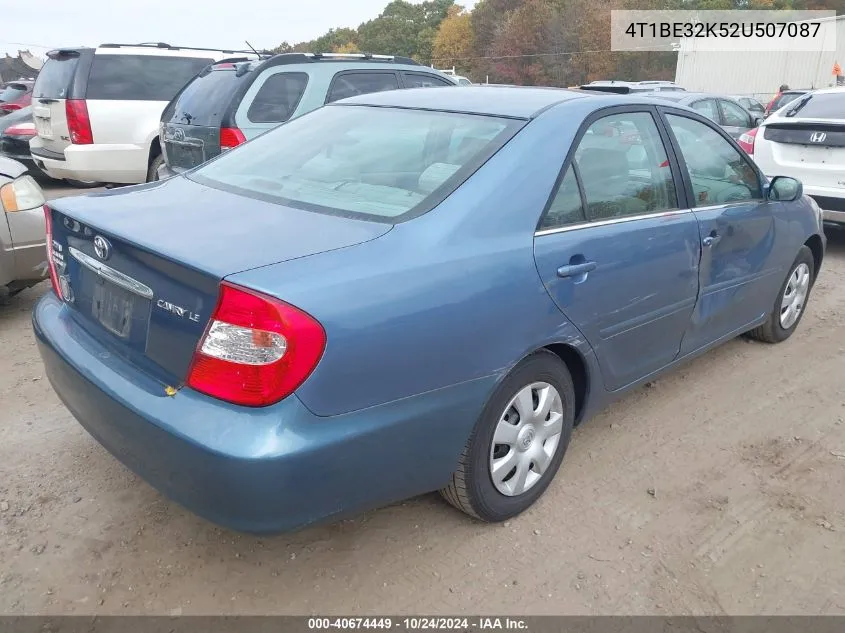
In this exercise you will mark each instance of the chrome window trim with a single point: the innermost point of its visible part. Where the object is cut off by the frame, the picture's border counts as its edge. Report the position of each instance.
(107, 272)
(628, 218)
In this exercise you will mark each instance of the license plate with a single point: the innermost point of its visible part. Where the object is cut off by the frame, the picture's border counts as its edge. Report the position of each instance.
(44, 127)
(113, 308)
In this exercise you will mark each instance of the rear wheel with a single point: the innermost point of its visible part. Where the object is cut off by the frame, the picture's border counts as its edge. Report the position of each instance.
(519, 441)
(152, 172)
(791, 301)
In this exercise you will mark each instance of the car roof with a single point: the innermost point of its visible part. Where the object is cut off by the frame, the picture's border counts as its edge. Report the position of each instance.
(505, 101)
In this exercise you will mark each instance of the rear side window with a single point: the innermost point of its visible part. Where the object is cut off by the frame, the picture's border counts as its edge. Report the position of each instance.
(56, 76)
(351, 84)
(277, 98)
(734, 115)
(205, 99)
(422, 80)
(141, 77)
(707, 108)
(823, 106)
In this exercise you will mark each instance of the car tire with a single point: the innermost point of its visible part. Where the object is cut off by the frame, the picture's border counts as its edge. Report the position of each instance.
(798, 283)
(152, 172)
(474, 487)
(83, 184)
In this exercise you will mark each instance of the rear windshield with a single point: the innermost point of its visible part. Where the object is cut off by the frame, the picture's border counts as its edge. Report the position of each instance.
(205, 99)
(56, 76)
(380, 164)
(12, 92)
(785, 98)
(823, 106)
(141, 77)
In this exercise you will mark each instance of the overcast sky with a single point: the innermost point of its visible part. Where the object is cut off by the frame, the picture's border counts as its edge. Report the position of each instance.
(206, 23)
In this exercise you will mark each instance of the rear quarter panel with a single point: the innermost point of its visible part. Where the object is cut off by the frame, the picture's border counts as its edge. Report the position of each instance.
(442, 299)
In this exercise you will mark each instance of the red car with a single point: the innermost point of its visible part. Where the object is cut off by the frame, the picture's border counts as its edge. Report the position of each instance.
(15, 95)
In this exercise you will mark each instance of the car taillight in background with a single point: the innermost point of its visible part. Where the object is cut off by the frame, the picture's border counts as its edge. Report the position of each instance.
(231, 137)
(20, 129)
(52, 255)
(746, 141)
(78, 122)
(256, 349)
(9, 107)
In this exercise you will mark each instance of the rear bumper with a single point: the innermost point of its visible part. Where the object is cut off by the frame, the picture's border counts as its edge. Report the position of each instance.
(99, 162)
(255, 470)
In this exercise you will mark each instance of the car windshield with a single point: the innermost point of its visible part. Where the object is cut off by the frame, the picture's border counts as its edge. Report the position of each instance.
(787, 97)
(381, 164)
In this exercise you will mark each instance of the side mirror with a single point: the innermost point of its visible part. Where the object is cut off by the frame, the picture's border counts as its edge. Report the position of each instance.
(785, 189)
(758, 120)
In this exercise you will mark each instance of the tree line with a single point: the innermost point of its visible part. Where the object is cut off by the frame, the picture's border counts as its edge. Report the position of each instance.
(524, 42)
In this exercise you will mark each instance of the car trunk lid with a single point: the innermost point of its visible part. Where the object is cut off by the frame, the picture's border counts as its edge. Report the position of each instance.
(141, 269)
(811, 150)
(191, 123)
(52, 89)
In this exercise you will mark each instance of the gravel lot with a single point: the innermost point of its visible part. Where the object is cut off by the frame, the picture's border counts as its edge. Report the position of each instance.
(717, 489)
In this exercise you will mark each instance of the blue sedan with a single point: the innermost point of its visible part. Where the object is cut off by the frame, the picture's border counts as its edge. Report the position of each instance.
(411, 291)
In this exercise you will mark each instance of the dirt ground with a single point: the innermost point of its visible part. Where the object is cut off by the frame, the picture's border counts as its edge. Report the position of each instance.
(718, 489)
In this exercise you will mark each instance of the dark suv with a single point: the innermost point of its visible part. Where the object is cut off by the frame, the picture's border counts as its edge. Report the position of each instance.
(235, 100)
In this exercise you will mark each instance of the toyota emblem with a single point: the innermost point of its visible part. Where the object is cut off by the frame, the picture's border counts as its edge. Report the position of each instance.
(102, 248)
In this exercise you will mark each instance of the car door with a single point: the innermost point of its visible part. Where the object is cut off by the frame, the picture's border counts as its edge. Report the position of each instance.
(738, 230)
(735, 119)
(616, 250)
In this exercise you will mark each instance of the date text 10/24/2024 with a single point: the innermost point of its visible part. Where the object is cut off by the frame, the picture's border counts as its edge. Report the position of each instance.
(419, 624)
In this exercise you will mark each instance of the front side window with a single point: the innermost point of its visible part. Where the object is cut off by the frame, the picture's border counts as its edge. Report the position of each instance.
(346, 85)
(381, 164)
(708, 108)
(719, 173)
(141, 77)
(734, 115)
(277, 98)
(624, 168)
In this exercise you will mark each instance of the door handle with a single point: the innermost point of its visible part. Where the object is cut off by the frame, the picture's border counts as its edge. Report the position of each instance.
(711, 240)
(573, 270)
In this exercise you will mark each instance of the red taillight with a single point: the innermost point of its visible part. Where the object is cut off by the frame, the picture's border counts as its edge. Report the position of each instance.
(231, 137)
(21, 129)
(10, 107)
(78, 122)
(51, 264)
(256, 349)
(746, 141)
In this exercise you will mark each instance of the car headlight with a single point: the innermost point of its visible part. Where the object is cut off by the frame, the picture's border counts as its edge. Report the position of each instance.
(21, 194)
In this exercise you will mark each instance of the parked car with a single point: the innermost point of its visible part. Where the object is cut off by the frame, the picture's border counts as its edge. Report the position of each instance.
(733, 118)
(751, 104)
(16, 131)
(806, 140)
(233, 101)
(409, 291)
(96, 110)
(23, 258)
(15, 95)
(782, 99)
(629, 87)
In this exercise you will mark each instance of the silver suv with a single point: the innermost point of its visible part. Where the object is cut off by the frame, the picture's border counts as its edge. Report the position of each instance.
(234, 100)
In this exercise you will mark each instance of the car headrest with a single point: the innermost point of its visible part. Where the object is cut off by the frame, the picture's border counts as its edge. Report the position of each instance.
(435, 175)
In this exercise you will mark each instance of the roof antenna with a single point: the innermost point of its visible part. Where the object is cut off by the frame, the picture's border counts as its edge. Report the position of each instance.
(253, 50)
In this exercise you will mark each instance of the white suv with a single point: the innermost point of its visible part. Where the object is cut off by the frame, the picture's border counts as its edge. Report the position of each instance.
(97, 110)
(805, 139)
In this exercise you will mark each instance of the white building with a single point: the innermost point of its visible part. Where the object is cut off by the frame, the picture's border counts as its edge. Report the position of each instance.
(759, 74)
